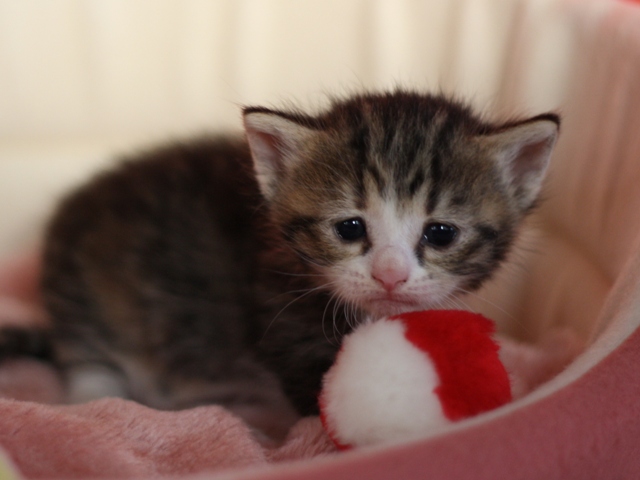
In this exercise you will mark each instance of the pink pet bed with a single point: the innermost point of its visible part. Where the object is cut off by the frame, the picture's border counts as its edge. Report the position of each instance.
(584, 277)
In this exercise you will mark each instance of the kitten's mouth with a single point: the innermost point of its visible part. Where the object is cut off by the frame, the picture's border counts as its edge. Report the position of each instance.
(391, 304)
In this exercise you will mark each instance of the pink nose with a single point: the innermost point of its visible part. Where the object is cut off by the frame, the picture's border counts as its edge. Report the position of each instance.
(390, 268)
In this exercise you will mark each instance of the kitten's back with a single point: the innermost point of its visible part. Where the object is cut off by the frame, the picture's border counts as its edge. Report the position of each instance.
(139, 260)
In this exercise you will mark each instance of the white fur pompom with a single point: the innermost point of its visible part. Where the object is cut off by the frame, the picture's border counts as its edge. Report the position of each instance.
(381, 388)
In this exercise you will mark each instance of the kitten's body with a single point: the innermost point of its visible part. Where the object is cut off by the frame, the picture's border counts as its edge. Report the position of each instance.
(167, 273)
(188, 278)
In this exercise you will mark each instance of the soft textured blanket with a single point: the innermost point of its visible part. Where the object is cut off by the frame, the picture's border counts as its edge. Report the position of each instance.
(114, 438)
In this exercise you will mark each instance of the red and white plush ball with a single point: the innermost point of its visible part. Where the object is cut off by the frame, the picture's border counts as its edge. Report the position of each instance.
(402, 377)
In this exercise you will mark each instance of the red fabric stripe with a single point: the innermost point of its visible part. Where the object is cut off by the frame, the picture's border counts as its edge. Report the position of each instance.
(473, 379)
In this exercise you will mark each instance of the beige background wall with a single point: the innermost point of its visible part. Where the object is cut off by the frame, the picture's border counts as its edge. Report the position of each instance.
(82, 79)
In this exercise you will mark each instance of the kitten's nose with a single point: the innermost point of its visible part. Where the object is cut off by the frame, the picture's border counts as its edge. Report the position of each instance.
(390, 268)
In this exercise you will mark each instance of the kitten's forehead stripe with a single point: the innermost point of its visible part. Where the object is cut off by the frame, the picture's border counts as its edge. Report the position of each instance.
(416, 182)
(403, 147)
(359, 143)
(387, 141)
(373, 170)
(438, 153)
(403, 163)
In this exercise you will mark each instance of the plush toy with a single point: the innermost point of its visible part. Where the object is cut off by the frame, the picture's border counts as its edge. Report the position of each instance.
(405, 376)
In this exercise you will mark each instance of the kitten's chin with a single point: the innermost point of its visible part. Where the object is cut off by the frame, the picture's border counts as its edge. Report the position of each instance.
(379, 308)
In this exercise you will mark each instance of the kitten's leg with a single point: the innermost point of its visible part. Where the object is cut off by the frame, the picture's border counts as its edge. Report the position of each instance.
(259, 401)
(269, 422)
(91, 381)
(267, 412)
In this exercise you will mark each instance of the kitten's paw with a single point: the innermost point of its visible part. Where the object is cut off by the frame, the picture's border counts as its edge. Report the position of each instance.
(92, 381)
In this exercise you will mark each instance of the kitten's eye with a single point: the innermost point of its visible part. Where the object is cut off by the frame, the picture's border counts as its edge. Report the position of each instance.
(351, 230)
(439, 235)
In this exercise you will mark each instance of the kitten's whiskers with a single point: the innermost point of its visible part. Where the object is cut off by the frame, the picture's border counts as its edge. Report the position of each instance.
(305, 292)
(298, 274)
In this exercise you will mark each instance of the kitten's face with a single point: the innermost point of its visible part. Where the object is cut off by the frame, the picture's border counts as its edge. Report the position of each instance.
(399, 208)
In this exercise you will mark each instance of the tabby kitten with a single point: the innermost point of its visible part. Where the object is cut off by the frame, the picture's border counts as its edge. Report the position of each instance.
(227, 270)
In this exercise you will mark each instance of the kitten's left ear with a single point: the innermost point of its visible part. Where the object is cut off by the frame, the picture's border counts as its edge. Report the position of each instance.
(522, 152)
(275, 143)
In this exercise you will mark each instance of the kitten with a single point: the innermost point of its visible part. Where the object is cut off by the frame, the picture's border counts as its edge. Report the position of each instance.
(226, 270)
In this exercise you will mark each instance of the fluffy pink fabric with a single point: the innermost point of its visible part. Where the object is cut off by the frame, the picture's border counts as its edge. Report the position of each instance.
(117, 438)
(114, 438)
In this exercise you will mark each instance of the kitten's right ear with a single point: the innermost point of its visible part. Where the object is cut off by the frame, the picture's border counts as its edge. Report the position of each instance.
(275, 143)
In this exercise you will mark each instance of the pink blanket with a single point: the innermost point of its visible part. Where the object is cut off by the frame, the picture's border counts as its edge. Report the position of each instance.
(114, 438)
